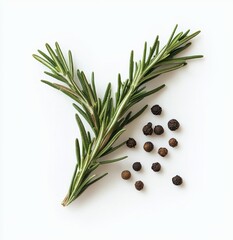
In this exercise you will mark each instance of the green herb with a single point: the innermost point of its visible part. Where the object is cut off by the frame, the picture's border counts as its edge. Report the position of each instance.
(108, 116)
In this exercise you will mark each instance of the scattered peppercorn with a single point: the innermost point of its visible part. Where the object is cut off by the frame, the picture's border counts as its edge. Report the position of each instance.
(162, 152)
(148, 146)
(139, 185)
(158, 130)
(147, 129)
(177, 180)
(156, 110)
(137, 166)
(156, 167)
(126, 174)
(131, 143)
(173, 124)
(173, 142)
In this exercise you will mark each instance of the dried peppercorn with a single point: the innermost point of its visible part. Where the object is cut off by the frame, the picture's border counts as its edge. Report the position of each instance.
(148, 146)
(137, 166)
(177, 180)
(147, 129)
(173, 142)
(131, 143)
(139, 185)
(162, 152)
(158, 130)
(156, 167)
(156, 110)
(126, 174)
(173, 124)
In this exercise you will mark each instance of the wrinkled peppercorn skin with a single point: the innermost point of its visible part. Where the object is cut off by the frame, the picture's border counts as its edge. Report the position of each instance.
(137, 166)
(156, 110)
(156, 167)
(148, 146)
(173, 124)
(158, 130)
(147, 129)
(131, 143)
(139, 185)
(162, 152)
(173, 142)
(126, 174)
(177, 180)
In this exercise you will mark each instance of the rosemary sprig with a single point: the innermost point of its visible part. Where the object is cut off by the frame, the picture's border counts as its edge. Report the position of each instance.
(108, 117)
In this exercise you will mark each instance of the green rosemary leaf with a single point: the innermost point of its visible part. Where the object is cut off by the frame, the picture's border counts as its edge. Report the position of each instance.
(162, 71)
(104, 111)
(176, 38)
(89, 136)
(152, 50)
(118, 92)
(127, 117)
(172, 61)
(44, 62)
(144, 55)
(73, 177)
(93, 86)
(138, 113)
(78, 154)
(55, 58)
(184, 40)
(99, 106)
(50, 60)
(71, 64)
(131, 67)
(96, 179)
(88, 88)
(184, 35)
(93, 167)
(94, 116)
(61, 57)
(112, 149)
(172, 35)
(178, 50)
(112, 160)
(84, 114)
(85, 141)
(153, 91)
(110, 109)
(57, 76)
(65, 90)
(108, 92)
(157, 48)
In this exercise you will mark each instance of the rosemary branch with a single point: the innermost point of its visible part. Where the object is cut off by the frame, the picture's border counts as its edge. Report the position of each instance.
(108, 117)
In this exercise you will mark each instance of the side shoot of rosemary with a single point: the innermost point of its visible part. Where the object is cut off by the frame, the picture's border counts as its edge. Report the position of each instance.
(108, 117)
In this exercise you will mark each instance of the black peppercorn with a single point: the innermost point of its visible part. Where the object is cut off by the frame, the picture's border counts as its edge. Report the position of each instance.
(139, 185)
(162, 152)
(177, 180)
(158, 130)
(173, 124)
(131, 143)
(148, 146)
(147, 129)
(137, 166)
(156, 110)
(173, 142)
(126, 174)
(156, 167)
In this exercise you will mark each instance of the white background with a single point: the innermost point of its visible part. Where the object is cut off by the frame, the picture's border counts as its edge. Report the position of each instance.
(37, 125)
